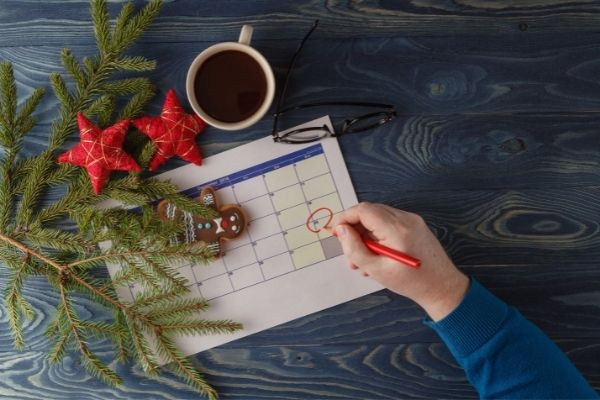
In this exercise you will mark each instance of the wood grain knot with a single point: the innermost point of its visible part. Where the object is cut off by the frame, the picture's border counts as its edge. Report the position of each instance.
(448, 82)
(538, 226)
(298, 359)
(513, 146)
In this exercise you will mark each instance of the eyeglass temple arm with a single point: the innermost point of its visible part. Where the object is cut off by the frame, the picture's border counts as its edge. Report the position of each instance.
(287, 74)
(387, 107)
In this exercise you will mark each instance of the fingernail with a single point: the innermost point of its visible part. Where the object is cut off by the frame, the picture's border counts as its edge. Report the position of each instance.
(340, 231)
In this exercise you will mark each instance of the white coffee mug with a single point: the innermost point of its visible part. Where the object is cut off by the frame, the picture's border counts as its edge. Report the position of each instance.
(243, 45)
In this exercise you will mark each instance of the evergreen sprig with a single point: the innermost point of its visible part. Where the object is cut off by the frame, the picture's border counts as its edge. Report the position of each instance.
(59, 239)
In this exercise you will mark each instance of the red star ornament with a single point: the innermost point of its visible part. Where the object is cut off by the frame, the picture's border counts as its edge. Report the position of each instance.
(100, 151)
(173, 132)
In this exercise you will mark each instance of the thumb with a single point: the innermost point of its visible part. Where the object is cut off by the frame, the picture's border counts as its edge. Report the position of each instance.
(353, 246)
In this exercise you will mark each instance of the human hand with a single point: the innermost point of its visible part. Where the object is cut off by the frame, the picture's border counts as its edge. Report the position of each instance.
(437, 286)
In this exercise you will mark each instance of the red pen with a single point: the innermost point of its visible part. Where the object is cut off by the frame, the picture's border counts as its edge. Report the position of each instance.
(399, 256)
(380, 249)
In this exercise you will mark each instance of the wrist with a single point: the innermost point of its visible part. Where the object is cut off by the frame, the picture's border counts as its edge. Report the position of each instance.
(447, 296)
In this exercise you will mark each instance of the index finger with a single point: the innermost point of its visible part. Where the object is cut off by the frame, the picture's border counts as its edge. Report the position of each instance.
(370, 216)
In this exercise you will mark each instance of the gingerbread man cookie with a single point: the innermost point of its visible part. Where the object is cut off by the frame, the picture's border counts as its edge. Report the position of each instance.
(229, 224)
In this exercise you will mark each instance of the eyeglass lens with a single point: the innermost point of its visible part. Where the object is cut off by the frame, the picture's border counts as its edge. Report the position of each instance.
(368, 121)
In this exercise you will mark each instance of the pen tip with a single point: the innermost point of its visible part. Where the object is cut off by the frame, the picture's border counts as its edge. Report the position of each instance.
(330, 230)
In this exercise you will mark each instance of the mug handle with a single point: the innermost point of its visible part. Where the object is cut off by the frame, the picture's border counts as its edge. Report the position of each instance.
(246, 35)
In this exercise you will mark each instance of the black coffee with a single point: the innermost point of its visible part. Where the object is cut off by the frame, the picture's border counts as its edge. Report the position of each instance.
(230, 86)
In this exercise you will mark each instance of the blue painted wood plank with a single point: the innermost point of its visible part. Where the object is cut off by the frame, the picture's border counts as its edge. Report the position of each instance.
(433, 76)
(308, 372)
(66, 22)
(454, 131)
(366, 372)
(373, 347)
(508, 226)
(562, 299)
(496, 145)
(418, 370)
(424, 154)
(464, 152)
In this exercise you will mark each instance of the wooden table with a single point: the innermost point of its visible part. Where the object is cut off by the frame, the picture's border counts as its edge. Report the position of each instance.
(496, 145)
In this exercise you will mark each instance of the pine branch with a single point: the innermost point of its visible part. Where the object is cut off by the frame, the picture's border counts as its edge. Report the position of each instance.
(171, 278)
(54, 326)
(90, 66)
(11, 256)
(183, 253)
(33, 188)
(24, 121)
(177, 308)
(123, 338)
(8, 94)
(97, 290)
(13, 127)
(21, 169)
(142, 349)
(131, 30)
(146, 154)
(200, 327)
(58, 350)
(182, 366)
(134, 317)
(61, 270)
(101, 330)
(16, 304)
(122, 19)
(61, 91)
(89, 360)
(64, 173)
(150, 300)
(142, 275)
(137, 103)
(127, 86)
(6, 189)
(120, 278)
(127, 197)
(103, 105)
(99, 11)
(98, 71)
(74, 69)
(134, 64)
(7, 140)
(32, 244)
(182, 202)
(79, 195)
(57, 239)
(115, 257)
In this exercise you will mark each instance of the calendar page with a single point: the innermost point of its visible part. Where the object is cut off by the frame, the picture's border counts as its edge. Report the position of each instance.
(278, 269)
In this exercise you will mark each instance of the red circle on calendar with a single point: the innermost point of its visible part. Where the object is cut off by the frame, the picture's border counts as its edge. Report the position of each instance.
(314, 220)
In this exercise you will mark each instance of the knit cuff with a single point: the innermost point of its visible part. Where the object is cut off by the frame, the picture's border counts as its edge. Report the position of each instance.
(476, 319)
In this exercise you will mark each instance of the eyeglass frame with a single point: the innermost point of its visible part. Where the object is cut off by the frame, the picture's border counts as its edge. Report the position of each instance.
(388, 112)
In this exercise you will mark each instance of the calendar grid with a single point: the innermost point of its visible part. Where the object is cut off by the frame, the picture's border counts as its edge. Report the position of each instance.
(333, 180)
(267, 279)
(285, 187)
(296, 226)
(252, 244)
(302, 183)
(277, 196)
(278, 222)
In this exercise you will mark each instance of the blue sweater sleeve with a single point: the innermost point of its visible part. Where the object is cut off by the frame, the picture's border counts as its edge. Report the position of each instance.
(504, 355)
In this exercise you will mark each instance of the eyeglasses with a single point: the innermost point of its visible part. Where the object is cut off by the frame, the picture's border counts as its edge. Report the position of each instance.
(380, 114)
